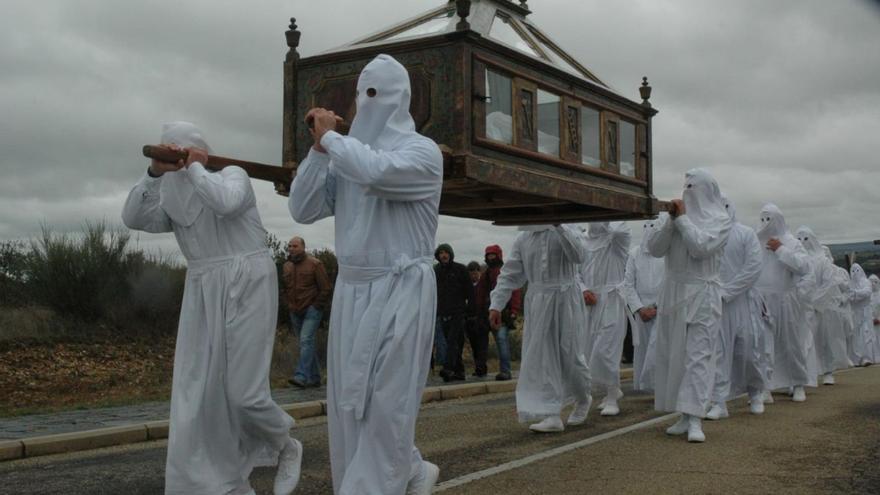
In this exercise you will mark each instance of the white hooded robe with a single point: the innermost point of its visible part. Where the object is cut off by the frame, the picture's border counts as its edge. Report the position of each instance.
(382, 183)
(875, 315)
(554, 371)
(223, 420)
(602, 273)
(689, 307)
(781, 272)
(863, 327)
(823, 314)
(641, 283)
(743, 351)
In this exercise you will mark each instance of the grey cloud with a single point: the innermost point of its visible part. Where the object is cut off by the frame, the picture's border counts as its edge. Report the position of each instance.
(777, 99)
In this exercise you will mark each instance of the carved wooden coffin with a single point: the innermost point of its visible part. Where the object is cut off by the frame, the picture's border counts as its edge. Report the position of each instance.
(529, 135)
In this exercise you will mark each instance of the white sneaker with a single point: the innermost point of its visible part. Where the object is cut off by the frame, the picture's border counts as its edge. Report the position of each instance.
(695, 430)
(756, 404)
(799, 395)
(680, 427)
(610, 408)
(768, 397)
(423, 483)
(828, 379)
(578, 415)
(552, 424)
(289, 465)
(718, 411)
(618, 393)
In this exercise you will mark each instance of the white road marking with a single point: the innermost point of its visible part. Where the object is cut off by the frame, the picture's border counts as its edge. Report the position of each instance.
(508, 466)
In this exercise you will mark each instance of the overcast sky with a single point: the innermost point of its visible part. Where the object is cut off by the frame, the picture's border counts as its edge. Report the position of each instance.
(780, 99)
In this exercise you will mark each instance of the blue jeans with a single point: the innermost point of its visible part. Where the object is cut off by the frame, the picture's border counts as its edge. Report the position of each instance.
(308, 370)
(439, 345)
(503, 348)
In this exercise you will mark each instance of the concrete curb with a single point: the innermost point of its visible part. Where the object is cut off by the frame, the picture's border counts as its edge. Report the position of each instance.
(157, 430)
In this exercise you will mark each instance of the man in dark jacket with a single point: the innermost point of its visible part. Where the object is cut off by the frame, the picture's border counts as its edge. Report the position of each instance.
(477, 334)
(494, 262)
(453, 290)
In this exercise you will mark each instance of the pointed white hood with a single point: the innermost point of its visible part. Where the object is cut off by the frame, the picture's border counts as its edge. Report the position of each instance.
(772, 223)
(702, 199)
(177, 196)
(810, 242)
(729, 206)
(383, 121)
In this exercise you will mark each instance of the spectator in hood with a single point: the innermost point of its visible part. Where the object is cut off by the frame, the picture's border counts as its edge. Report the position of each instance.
(453, 292)
(477, 334)
(494, 261)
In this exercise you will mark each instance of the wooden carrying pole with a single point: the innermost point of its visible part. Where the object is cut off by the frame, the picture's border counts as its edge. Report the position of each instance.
(271, 173)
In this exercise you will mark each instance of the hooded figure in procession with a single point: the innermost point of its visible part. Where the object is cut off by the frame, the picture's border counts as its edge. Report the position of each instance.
(223, 420)
(823, 315)
(554, 371)
(875, 314)
(692, 239)
(784, 268)
(382, 183)
(743, 349)
(641, 285)
(863, 327)
(602, 285)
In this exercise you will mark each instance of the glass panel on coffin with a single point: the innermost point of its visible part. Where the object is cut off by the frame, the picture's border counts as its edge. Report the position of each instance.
(441, 22)
(590, 134)
(627, 149)
(502, 30)
(548, 123)
(557, 59)
(499, 107)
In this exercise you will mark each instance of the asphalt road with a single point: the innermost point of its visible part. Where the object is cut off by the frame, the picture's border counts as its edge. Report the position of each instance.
(830, 444)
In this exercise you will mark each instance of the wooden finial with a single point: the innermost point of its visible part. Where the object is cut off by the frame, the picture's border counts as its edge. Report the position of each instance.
(463, 9)
(645, 92)
(293, 35)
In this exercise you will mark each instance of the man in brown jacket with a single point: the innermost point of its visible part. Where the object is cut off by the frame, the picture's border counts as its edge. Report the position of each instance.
(307, 290)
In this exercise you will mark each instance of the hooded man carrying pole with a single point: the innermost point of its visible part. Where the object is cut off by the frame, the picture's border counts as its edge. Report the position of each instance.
(554, 371)
(692, 239)
(223, 420)
(602, 285)
(382, 183)
(784, 267)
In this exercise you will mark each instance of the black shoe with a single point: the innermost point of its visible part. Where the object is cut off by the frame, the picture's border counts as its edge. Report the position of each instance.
(459, 377)
(296, 383)
(317, 384)
(501, 377)
(446, 375)
(480, 374)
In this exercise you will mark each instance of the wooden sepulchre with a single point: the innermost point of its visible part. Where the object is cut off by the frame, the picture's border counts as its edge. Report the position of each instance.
(529, 135)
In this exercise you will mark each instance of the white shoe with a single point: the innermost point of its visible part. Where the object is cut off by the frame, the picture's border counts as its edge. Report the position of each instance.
(828, 379)
(578, 415)
(756, 404)
(695, 430)
(799, 395)
(718, 411)
(610, 408)
(551, 424)
(618, 393)
(289, 465)
(423, 483)
(768, 397)
(680, 427)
